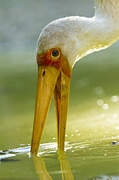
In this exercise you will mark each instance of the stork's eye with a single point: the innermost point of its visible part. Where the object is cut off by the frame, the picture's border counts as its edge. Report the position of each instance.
(55, 54)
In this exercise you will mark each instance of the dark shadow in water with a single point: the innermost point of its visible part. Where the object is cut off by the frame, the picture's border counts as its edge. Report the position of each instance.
(9, 160)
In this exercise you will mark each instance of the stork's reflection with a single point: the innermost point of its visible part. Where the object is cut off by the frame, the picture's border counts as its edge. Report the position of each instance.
(43, 173)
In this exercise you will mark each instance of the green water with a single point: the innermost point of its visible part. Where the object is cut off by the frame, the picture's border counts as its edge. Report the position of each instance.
(92, 126)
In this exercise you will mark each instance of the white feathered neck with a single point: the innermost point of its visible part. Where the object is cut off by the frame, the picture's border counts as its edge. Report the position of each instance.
(79, 36)
(107, 8)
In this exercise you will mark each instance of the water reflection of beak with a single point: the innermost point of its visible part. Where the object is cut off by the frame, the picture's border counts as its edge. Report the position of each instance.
(65, 167)
(51, 80)
(40, 168)
(43, 173)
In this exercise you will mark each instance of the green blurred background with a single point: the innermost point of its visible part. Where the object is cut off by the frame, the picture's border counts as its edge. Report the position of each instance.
(93, 110)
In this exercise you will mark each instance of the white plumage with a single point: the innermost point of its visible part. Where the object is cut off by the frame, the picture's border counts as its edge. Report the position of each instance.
(78, 36)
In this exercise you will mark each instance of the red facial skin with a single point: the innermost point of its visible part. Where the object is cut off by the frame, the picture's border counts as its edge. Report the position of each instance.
(46, 59)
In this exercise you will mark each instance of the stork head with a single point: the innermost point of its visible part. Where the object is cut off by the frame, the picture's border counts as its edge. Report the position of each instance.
(55, 49)
(60, 34)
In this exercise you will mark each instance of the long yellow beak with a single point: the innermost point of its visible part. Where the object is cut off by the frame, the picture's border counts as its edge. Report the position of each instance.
(61, 95)
(50, 81)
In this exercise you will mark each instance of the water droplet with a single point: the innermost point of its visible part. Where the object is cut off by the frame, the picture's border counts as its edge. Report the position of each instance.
(114, 99)
(76, 130)
(53, 138)
(115, 116)
(100, 102)
(105, 106)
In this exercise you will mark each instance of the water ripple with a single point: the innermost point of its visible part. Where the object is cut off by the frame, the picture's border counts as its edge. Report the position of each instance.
(80, 149)
(46, 148)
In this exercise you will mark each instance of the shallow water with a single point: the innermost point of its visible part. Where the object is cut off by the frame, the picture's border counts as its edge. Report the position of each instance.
(92, 126)
(78, 162)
